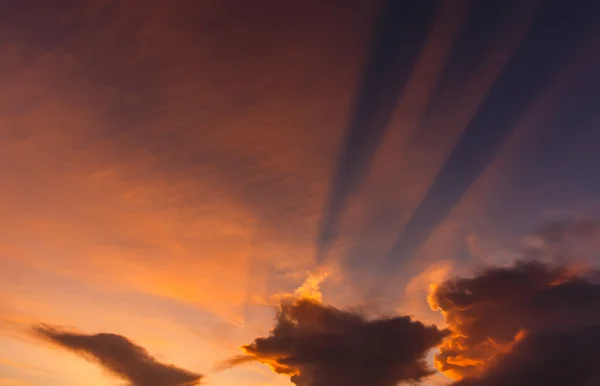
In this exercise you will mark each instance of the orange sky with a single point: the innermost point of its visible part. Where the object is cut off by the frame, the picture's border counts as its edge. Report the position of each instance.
(164, 169)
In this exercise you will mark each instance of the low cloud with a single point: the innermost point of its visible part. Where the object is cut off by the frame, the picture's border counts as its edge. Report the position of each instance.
(547, 359)
(120, 357)
(319, 345)
(528, 324)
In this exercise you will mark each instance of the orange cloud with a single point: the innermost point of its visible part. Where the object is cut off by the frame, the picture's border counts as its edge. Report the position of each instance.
(310, 289)
(501, 311)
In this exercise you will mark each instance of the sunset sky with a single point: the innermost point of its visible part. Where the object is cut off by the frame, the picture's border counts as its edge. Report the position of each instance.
(168, 169)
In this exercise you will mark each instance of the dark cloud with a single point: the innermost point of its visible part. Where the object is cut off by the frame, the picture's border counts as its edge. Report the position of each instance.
(400, 33)
(318, 345)
(120, 357)
(555, 33)
(517, 324)
(551, 360)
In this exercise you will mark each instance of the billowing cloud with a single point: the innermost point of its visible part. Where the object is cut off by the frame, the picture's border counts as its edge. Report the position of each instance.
(519, 324)
(121, 357)
(319, 345)
(547, 359)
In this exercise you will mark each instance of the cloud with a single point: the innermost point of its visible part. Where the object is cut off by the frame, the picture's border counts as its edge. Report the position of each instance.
(418, 288)
(318, 345)
(552, 359)
(519, 324)
(120, 357)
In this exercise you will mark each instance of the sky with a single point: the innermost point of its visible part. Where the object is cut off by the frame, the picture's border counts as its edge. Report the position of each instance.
(170, 171)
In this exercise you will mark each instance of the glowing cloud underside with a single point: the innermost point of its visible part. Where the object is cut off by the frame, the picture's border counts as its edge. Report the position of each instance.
(319, 345)
(523, 312)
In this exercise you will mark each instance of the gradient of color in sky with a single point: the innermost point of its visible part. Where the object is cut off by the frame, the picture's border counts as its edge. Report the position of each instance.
(166, 168)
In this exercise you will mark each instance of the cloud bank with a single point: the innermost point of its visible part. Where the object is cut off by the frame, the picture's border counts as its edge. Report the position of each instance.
(527, 324)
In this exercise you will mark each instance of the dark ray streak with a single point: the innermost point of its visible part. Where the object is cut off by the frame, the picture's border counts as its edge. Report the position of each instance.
(483, 39)
(554, 34)
(482, 45)
(400, 34)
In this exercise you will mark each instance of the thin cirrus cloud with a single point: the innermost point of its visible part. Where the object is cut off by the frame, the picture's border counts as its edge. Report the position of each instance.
(120, 357)
(135, 170)
(138, 157)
